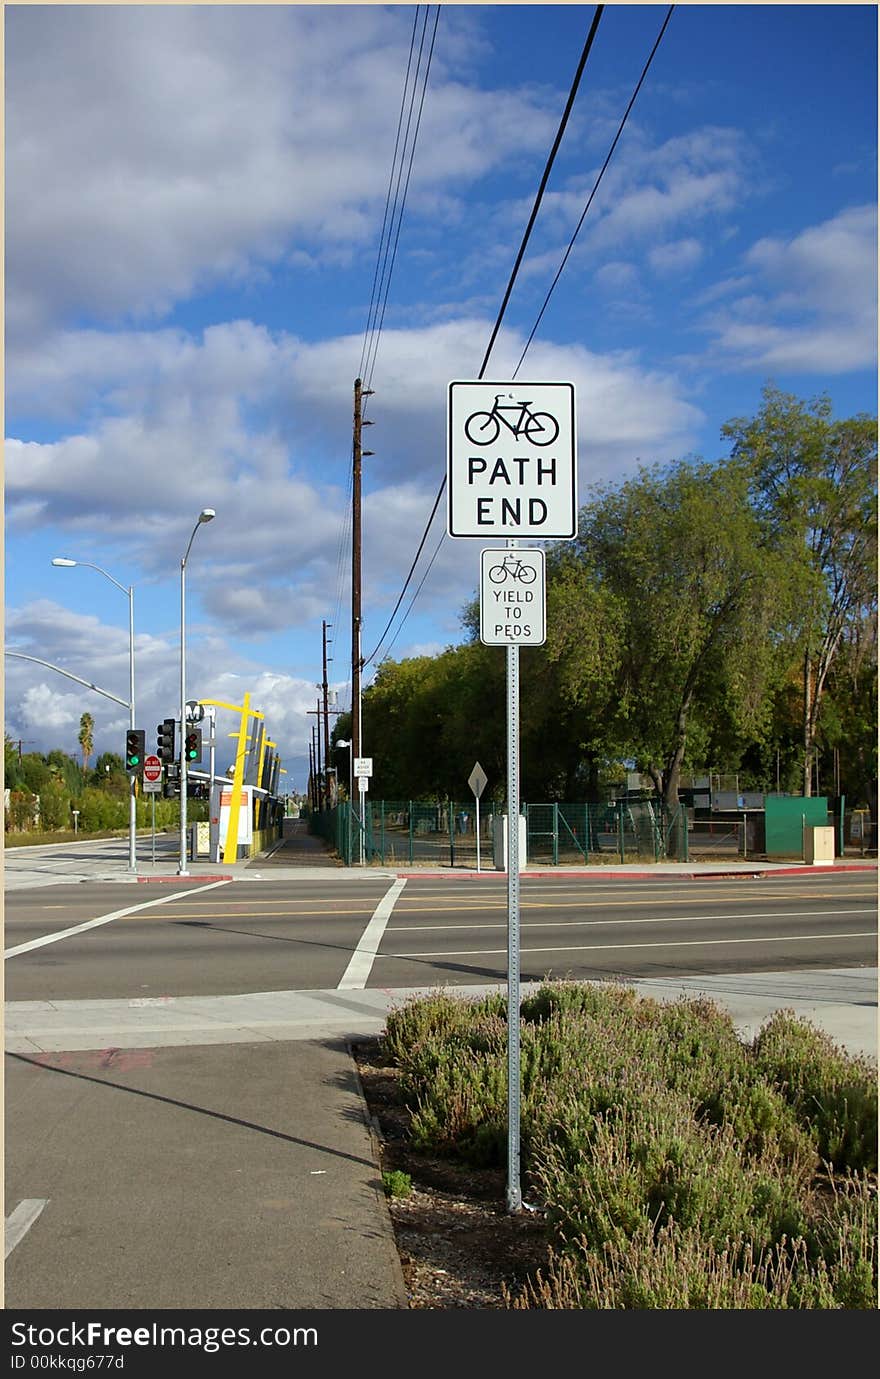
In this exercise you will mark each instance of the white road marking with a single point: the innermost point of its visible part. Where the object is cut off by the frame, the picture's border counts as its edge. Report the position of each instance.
(359, 968)
(21, 1220)
(105, 919)
(619, 947)
(603, 923)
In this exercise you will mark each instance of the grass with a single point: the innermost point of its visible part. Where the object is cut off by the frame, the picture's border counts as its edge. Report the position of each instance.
(677, 1166)
(35, 839)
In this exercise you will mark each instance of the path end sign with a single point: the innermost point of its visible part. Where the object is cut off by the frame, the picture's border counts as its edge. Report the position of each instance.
(478, 780)
(512, 460)
(513, 600)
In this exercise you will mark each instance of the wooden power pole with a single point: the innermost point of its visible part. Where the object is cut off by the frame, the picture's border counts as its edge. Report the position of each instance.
(326, 689)
(356, 659)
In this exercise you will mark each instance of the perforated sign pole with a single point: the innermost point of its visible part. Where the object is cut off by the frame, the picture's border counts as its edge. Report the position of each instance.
(514, 1192)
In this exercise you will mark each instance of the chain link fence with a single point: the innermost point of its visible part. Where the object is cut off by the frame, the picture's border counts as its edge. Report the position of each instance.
(444, 833)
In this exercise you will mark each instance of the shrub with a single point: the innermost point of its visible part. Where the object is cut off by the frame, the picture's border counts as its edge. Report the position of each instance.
(833, 1094)
(396, 1184)
(678, 1167)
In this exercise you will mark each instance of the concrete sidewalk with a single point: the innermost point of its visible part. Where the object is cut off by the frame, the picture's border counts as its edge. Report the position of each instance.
(258, 1182)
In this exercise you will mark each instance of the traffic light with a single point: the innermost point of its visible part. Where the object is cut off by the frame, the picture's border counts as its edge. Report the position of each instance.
(192, 745)
(135, 748)
(165, 740)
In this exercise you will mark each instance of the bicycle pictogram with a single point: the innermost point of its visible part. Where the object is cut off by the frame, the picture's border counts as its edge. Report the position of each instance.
(515, 568)
(484, 428)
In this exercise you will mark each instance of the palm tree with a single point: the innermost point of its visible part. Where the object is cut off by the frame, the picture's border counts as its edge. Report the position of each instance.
(86, 738)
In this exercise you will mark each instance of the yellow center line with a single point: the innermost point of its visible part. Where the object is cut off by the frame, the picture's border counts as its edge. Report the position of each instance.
(403, 908)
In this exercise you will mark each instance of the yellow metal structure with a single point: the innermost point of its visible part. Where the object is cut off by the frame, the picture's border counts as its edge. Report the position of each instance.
(230, 852)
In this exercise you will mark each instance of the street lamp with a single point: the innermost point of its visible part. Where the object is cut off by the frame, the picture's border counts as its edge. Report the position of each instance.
(129, 592)
(206, 515)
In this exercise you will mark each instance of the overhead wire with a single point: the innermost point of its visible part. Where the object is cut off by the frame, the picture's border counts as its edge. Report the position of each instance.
(402, 200)
(537, 321)
(392, 219)
(514, 272)
(380, 260)
(595, 188)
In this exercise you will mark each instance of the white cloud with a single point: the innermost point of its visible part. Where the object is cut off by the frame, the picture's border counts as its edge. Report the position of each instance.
(812, 306)
(650, 188)
(679, 256)
(179, 146)
(617, 276)
(45, 708)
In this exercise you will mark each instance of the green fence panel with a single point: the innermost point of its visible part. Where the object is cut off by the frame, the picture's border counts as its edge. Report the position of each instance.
(785, 818)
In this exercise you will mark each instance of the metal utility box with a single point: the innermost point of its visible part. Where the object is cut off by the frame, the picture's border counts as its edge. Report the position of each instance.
(499, 841)
(819, 845)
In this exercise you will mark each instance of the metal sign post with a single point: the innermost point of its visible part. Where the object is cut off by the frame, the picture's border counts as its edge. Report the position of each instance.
(478, 781)
(512, 475)
(514, 1191)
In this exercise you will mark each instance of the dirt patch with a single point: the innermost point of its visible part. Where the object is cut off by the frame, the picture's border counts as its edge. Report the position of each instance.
(458, 1244)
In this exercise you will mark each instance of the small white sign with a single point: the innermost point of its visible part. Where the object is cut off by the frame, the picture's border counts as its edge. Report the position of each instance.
(363, 766)
(152, 787)
(512, 460)
(513, 597)
(478, 780)
(363, 783)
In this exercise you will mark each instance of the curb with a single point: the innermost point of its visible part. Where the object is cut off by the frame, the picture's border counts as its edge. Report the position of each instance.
(600, 874)
(182, 880)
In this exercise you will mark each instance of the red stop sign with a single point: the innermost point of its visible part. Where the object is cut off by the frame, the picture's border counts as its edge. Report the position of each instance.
(152, 768)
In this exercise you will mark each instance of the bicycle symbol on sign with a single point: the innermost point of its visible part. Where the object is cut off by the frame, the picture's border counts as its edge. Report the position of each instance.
(484, 428)
(510, 565)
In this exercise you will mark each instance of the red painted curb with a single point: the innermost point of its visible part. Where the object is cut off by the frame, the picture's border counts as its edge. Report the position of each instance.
(597, 874)
(183, 879)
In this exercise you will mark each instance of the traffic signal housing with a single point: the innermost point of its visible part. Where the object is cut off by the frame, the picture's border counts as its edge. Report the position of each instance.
(135, 749)
(165, 740)
(192, 745)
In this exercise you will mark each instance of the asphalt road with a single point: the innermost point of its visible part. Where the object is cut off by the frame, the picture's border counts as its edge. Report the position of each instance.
(227, 938)
(225, 1162)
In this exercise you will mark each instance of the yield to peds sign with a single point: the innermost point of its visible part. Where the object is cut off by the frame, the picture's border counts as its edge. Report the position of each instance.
(512, 463)
(512, 597)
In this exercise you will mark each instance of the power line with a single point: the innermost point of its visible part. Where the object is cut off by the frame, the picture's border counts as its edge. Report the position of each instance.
(386, 255)
(526, 236)
(379, 259)
(595, 186)
(543, 308)
(378, 332)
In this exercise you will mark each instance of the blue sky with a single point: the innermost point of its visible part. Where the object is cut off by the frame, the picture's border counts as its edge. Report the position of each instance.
(195, 199)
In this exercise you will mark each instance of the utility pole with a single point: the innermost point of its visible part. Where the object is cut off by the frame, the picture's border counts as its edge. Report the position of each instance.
(326, 689)
(356, 659)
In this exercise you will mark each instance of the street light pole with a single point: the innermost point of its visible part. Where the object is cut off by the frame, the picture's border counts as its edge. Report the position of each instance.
(132, 798)
(206, 515)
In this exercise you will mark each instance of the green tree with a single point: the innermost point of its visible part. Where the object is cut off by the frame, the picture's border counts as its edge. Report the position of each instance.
(813, 485)
(35, 772)
(54, 806)
(67, 768)
(86, 738)
(12, 776)
(694, 593)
